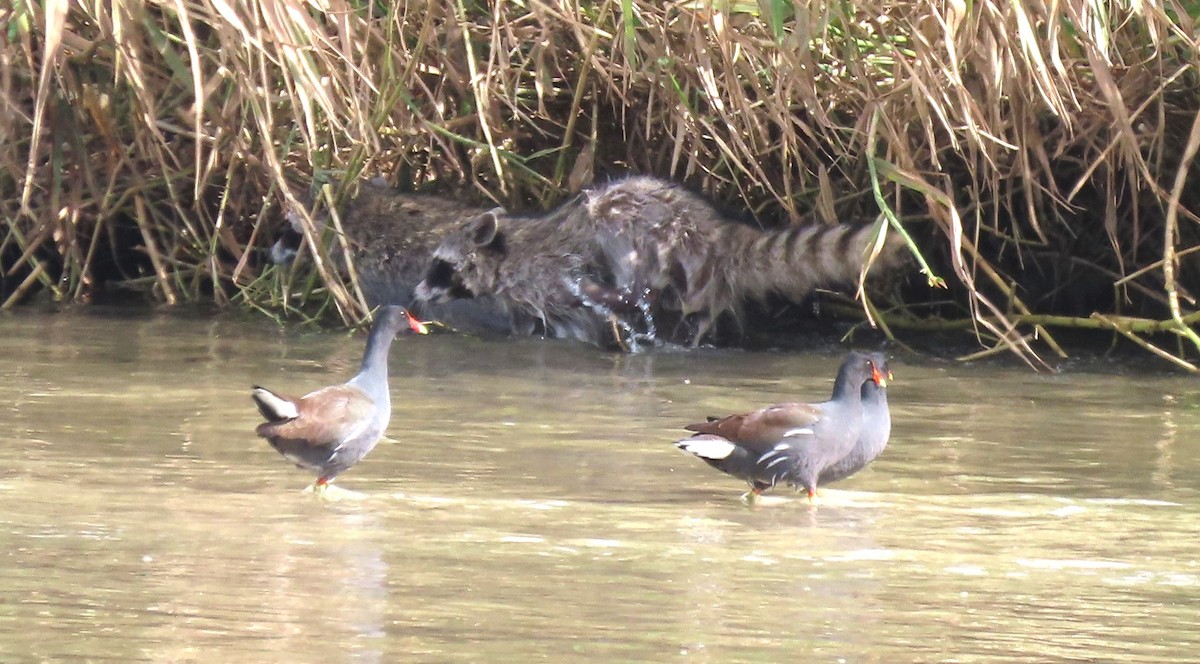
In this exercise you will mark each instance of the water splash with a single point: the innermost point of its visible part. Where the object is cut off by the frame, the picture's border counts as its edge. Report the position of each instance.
(632, 323)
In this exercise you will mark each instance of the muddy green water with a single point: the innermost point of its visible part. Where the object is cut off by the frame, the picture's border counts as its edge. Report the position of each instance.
(529, 507)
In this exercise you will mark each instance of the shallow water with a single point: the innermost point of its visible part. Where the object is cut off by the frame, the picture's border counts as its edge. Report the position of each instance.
(529, 506)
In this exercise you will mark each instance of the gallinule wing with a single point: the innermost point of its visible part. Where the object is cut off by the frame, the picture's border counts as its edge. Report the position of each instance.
(876, 428)
(331, 429)
(790, 442)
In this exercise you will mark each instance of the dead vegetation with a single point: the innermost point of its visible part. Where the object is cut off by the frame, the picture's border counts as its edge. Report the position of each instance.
(1032, 153)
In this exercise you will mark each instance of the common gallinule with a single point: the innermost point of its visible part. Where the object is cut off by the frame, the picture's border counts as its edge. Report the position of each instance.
(791, 442)
(331, 429)
(876, 428)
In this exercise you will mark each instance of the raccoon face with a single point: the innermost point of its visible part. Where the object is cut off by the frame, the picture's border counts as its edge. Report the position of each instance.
(467, 262)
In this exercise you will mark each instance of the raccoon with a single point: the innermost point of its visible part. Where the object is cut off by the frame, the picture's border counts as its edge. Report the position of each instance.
(537, 266)
(391, 234)
(641, 258)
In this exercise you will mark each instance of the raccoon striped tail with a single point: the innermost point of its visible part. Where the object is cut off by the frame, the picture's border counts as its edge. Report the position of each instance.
(793, 261)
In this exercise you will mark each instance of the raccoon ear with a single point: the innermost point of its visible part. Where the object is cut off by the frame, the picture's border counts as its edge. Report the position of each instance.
(484, 230)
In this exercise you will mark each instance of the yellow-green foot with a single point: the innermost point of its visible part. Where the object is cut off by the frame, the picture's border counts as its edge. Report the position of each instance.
(333, 493)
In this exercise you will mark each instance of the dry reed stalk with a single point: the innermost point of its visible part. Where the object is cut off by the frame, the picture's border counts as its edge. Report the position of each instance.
(27, 283)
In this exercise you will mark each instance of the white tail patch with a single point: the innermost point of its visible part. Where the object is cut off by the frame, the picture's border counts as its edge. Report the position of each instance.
(273, 406)
(707, 447)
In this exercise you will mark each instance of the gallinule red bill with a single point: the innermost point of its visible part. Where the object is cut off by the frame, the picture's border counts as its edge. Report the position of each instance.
(789, 442)
(876, 428)
(331, 429)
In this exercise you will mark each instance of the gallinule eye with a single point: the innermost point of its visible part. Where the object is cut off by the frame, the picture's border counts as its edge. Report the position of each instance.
(876, 428)
(790, 442)
(333, 428)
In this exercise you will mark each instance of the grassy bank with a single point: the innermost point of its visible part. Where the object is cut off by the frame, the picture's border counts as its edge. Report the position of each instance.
(1033, 158)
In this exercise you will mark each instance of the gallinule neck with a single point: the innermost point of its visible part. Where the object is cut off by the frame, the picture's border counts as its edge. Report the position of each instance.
(876, 428)
(329, 430)
(791, 442)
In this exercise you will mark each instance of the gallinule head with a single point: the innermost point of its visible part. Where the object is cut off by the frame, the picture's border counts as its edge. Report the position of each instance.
(876, 428)
(789, 442)
(331, 429)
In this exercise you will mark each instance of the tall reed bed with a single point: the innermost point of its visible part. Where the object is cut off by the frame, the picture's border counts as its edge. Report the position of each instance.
(1031, 154)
